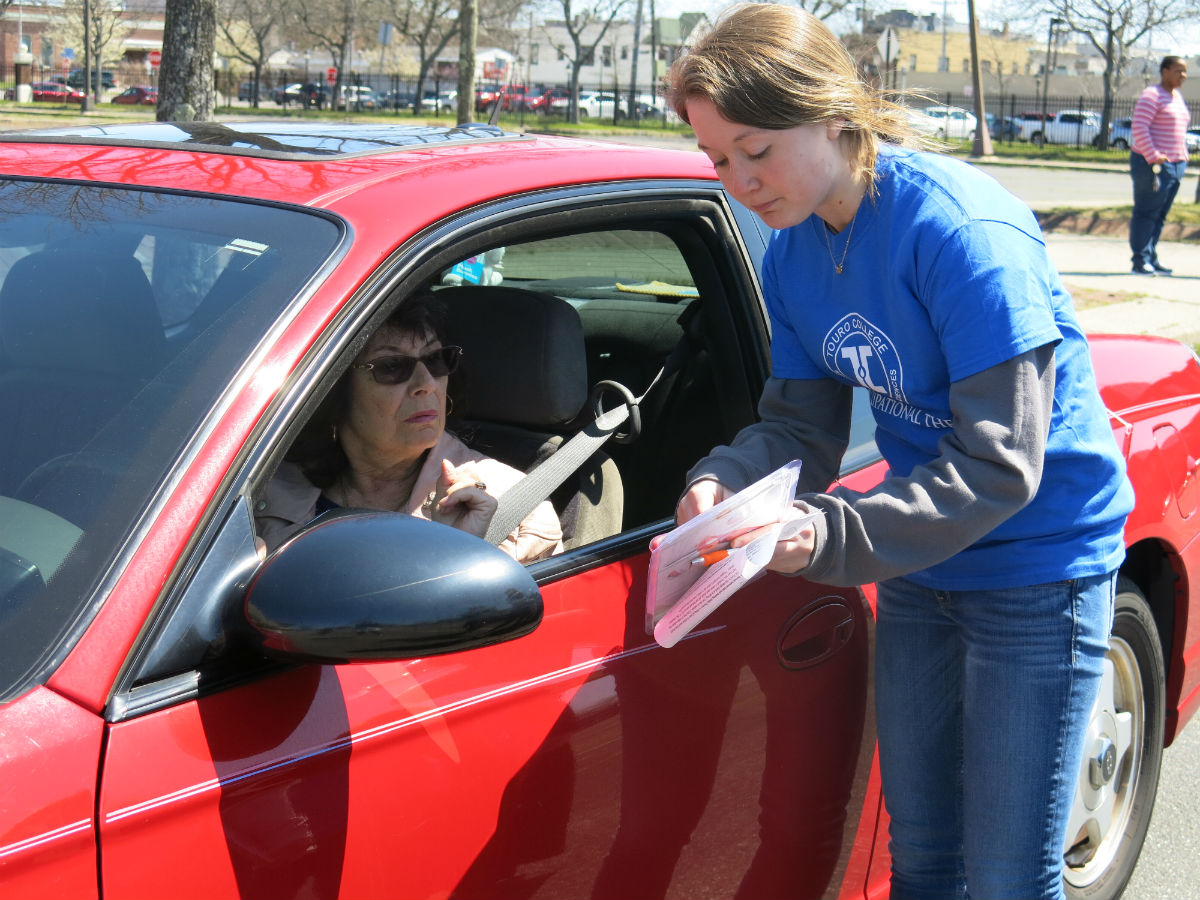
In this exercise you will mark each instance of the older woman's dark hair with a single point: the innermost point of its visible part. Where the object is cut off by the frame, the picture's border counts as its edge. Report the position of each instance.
(316, 449)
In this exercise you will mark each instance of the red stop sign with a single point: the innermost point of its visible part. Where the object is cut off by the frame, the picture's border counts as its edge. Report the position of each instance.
(331, 75)
(155, 58)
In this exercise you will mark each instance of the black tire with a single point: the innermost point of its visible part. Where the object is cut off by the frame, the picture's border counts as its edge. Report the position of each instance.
(1120, 144)
(1037, 139)
(1118, 777)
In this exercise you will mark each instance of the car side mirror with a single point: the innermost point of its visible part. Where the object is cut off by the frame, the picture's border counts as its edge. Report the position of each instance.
(369, 586)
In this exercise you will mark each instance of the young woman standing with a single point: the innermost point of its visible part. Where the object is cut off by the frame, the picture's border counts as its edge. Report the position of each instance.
(995, 537)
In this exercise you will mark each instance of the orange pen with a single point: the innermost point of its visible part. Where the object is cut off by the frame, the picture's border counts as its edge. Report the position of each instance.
(707, 559)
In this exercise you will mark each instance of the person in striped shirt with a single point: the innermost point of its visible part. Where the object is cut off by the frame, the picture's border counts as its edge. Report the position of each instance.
(1157, 162)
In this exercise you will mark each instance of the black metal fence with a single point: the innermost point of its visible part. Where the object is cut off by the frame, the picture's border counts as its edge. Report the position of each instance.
(1015, 118)
(299, 87)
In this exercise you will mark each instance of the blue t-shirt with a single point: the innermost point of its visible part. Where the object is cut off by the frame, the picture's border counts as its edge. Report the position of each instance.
(947, 275)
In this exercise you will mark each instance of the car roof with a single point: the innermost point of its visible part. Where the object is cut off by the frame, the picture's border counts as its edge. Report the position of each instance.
(415, 171)
(275, 139)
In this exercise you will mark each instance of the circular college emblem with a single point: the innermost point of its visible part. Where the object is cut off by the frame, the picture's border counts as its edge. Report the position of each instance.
(860, 352)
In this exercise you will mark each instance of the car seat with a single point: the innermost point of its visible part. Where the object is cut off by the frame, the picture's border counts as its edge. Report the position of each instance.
(526, 388)
(80, 334)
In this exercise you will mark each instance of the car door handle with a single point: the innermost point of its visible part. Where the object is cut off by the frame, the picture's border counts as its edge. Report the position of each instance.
(815, 633)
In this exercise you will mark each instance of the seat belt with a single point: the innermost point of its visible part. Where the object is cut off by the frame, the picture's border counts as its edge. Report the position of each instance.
(519, 500)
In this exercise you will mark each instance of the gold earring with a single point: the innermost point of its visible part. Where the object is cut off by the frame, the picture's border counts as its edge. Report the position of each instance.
(449, 404)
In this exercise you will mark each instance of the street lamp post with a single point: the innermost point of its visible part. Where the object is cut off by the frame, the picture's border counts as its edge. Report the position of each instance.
(1054, 23)
(89, 101)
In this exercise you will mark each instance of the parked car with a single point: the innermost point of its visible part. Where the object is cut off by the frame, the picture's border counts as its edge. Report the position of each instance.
(246, 92)
(386, 705)
(101, 78)
(287, 93)
(922, 123)
(1002, 128)
(139, 95)
(513, 98)
(440, 102)
(1120, 134)
(646, 106)
(551, 100)
(49, 92)
(356, 97)
(952, 123)
(1079, 127)
(597, 105)
(396, 100)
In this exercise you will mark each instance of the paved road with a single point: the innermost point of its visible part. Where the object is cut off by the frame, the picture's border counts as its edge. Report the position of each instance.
(1169, 868)
(1051, 187)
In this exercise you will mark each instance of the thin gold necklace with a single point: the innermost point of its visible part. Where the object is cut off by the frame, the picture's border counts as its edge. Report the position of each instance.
(838, 266)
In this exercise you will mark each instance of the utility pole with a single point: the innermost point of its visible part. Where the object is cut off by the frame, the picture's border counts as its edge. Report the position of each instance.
(982, 145)
(944, 60)
(1054, 23)
(468, 22)
(633, 64)
(89, 102)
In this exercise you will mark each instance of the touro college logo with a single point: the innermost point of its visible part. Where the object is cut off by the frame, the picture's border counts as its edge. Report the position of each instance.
(864, 355)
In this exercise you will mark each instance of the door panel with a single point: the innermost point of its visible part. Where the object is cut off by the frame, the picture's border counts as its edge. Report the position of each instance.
(582, 760)
(51, 750)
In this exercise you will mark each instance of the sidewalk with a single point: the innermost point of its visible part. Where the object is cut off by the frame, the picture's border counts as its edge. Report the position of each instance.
(1110, 298)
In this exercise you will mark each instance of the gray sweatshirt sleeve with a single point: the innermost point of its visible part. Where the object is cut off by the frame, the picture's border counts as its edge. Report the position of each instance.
(988, 468)
(806, 420)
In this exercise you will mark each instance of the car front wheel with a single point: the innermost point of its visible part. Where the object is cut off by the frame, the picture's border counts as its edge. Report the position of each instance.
(1118, 777)
(1120, 144)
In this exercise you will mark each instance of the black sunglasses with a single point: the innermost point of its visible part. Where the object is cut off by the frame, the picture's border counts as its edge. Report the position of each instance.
(397, 369)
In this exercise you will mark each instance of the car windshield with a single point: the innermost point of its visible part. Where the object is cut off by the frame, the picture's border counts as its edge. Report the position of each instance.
(124, 314)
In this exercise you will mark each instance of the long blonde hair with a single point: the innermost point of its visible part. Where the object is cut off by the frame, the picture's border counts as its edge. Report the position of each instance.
(774, 67)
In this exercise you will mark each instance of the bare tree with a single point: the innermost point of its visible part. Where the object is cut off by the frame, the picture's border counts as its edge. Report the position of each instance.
(185, 79)
(585, 29)
(110, 26)
(251, 31)
(429, 25)
(335, 26)
(1112, 27)
(825, 9)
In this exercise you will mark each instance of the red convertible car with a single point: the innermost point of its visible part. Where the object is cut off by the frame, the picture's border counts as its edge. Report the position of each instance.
(388, 707)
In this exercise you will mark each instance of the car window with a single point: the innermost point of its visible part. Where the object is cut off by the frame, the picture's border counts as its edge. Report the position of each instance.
(630, 292)
(123, 316)
(634, 292)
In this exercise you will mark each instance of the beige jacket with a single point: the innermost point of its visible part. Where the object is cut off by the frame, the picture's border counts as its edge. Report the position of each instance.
(291, 501)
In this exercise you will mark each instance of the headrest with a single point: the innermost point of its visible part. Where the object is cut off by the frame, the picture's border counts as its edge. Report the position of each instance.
(523, 352)
(72, 308)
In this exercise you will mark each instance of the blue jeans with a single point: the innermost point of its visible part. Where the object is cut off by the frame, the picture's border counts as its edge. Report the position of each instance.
(983, 700)
(1152, 199)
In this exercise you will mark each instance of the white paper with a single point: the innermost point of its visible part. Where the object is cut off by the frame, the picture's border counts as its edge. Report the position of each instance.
(679, 594)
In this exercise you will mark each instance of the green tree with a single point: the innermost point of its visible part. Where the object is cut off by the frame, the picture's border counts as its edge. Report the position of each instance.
(585, 28)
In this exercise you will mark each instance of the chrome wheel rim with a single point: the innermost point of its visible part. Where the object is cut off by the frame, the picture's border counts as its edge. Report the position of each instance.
(1108, 774)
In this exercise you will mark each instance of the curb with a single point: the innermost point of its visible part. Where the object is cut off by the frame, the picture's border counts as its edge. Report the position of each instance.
(1082, 223)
